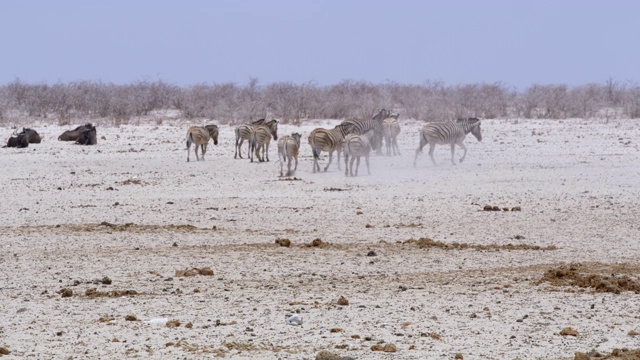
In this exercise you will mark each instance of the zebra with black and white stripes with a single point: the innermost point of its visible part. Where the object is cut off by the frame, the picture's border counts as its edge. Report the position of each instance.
(261, 136)
(390, 132)
(288, 147)
(360, 126)
(357, 146)
(452, 133)
(328, 140)
(200, 136)
(243, 132)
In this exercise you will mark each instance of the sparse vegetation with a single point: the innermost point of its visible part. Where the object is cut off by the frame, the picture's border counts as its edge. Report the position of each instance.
(66, 103)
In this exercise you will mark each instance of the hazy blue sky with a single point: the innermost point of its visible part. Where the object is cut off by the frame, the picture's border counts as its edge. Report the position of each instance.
(516, 42)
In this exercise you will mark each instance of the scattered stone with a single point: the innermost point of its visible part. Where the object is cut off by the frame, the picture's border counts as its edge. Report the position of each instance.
(104, 319)
(188, 325)
(342, 301)
(59, 333)
(372, 253)
(473, 315)
(516, 208)
(377, 347)
(131, 317)
(106, 281)
(4, 351)
(633, 333)
(389, 348)
(368, 226)
(172, 323)
(335, 330)
(496, 208)
(458, 356)
(115, 340)
(327, 355)
(355, 336)
(196, 290)
(505, 209)
(21, 310)
(194, 271)
(66, 292)
(175, 244)
(581, 356)
(316, 242)
(359, 213)
(283, 242)
(568, 332)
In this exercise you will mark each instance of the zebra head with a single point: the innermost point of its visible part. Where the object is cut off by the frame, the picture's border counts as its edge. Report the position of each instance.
(383, 114)
(273, 128)
(213, 132)
(296, 137)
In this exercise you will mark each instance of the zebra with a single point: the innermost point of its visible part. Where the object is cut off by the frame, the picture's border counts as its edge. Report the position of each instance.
(357, 146)
(261, 137)
(390, 131)
(359, 126)
(243, 132)
(200, 137)
(451, 133)
(288, 147)
(328, 140)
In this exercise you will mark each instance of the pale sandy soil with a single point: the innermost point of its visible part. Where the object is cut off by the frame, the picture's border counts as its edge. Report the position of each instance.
(577, 182)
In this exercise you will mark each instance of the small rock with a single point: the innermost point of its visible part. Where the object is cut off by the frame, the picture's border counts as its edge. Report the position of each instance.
(568, 332)
(66, 292)
(355, 336)
(172, 323)
(458, 356)
(372, 253)
(335, 330)
(389, 348)
(495, 208)
(516, 208)
(487, 208)
(316, 242)
(188, 325)
(175, 244)
(59, 333)
(106, 280)
(581, 356)
(283, 242)
(505, 209)
(377, 347)
(21, 310)
(327, 355)
(131, 317)
(630, 333)
(115, 340)
(342, 301)
(4, 351)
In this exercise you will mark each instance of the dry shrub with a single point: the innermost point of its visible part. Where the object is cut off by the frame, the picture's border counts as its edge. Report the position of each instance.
(427, 243)
(94, 293)
(582, 276)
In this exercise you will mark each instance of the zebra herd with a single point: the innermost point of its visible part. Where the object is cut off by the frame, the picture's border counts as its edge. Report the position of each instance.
(355, 138)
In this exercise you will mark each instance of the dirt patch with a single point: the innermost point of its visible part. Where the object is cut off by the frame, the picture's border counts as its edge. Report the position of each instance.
(426, 243)
(206, 271)
(617, 354)
(94, 293)
(586, 276)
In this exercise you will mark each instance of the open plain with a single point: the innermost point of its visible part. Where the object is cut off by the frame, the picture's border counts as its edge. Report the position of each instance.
(95, 241)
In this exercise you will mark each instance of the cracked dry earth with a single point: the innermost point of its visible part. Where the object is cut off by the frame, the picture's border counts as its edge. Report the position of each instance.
(92, 239)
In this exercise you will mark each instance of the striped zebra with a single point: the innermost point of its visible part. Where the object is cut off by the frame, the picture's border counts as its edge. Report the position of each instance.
(261, 138)
(243, 132)
(327, 140)
(451, 133)
(357, 146)
(200, 136)
(390, 132)
(288, 147)
(359, 126)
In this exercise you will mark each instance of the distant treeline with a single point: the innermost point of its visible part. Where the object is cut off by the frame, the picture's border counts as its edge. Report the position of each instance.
(232, 103)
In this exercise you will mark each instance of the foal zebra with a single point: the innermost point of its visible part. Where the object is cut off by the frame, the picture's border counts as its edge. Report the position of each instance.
(359, 126)
(357, 146)
(243, 132)
(261, 137)
(200, 137)
(288, 147)
(451, 133)
(327, 140)
(390, 132)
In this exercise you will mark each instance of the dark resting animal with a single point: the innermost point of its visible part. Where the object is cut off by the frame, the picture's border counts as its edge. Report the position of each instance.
(19, 141)
(88, 136)
(73, 135)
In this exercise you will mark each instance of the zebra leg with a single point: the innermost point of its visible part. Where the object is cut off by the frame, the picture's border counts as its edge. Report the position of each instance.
(431, 147)
(453, 150)
(339, 151)
(235, 156)
(357, 165)
(330, 158)
(266, 150)
(464, 155)
(346, 164)
(366, 158)
(188, 150)
(396, 148)
(204, 150)
(353, 159)
(423, 142)
(289, 167)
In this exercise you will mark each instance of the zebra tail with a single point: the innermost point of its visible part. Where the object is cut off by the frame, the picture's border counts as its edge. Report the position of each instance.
(189, 140)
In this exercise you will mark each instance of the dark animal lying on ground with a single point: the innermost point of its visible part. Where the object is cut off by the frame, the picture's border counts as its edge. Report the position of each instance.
(73, 135)
(88, 136)
(18, 141)
(24, 138)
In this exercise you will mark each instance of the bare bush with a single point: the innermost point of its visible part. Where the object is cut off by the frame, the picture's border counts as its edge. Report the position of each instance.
(230, 103)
